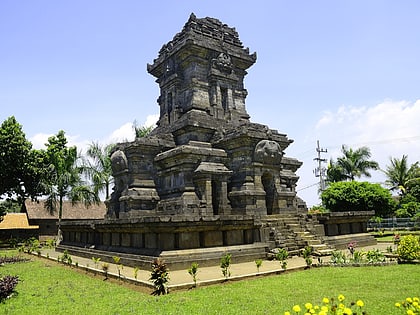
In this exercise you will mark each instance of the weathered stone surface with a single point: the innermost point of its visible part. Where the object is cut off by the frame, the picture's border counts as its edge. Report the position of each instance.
(206, 175)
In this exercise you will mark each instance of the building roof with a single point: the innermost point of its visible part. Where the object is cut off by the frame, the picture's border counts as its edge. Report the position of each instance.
(16, 221)
(79, 211)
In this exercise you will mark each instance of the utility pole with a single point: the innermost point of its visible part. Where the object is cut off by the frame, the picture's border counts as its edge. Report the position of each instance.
(320, 170)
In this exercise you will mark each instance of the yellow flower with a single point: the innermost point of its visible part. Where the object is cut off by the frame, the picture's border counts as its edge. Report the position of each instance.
(322, 313)
(347, 311)
(341, 298)
(409, 300)
(360, 303)
(296, 308)
(324, 309)
(416, 299)
(341, 306)
(410, 312)
(287, 313)
(325, 300)
(308, 306)
(398, 304)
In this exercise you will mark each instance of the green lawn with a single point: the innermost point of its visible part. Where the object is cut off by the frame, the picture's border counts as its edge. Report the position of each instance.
(49, 288)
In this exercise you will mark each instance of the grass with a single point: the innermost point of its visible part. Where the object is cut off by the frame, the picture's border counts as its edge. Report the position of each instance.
(49, 288)
(388, 236)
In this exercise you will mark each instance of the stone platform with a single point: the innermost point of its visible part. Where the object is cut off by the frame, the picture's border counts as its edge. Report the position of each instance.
(175, 259)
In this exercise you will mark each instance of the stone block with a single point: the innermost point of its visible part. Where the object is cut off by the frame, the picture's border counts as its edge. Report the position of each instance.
(188, 240)
(150, 240)
(167, 241)
(137, 240)
(115, 239)
(106, 240)
(212, 238)
(344, 228)
(126, 239)
(332, 229)
(233, 237)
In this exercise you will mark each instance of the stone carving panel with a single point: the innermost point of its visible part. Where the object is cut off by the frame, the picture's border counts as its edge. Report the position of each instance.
(119, 162)
(268, 152)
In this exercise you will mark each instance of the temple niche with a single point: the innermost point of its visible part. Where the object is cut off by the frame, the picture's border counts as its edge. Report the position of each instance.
(206, 177)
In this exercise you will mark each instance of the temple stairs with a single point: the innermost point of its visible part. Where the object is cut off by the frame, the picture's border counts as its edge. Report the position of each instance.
(294, 233)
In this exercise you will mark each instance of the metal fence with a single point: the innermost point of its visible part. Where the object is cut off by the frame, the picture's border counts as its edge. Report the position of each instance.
(394, 223)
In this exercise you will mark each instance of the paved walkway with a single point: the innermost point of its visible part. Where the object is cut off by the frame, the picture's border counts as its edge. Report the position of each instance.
(180, 279)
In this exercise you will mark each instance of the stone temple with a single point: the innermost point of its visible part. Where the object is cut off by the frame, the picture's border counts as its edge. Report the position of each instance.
(206, 181)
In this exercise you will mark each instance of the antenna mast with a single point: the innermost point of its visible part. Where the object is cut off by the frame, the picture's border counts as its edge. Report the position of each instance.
(320, 170)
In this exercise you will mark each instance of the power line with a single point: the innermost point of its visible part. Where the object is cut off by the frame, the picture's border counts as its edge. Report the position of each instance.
(309, 186)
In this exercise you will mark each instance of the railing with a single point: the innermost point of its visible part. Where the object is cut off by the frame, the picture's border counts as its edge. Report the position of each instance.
(393, 223)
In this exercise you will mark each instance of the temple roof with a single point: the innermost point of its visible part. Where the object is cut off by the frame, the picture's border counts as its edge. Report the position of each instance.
(208, 32)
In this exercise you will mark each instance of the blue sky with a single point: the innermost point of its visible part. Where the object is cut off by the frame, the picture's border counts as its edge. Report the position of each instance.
(341, 72)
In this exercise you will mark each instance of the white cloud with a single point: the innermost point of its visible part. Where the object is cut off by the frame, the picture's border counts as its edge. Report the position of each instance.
(39, 140)
(122, 134)
(151, 120)
(126, 131)
(389, 129)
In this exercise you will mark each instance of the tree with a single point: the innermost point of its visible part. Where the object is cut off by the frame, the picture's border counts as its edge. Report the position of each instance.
(141, 131)
(400, 175)
(98, 167)
(21, 167)
(353, 163)
(63, 177)
(358, 196)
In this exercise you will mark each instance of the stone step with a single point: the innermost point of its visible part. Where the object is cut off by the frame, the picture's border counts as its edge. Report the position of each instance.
(313, 243)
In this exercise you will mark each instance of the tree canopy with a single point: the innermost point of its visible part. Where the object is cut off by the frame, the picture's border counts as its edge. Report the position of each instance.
(20, 165)
(358, 196)
(97, 166)
(353, 163)
(63, 178)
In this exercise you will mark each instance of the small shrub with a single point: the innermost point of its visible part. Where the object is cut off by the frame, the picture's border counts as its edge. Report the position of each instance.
(105, 268)
(374, 256)
(96, 261)
(66, 258)
(307, 255)
(409, 248)
(119, 265)
(258, 263)
(193, 271)
(136, 271)
(225, 262)
(282, 256)
(7, 286)
(338, 258)
(160, 277)
(357, 257)
(12, 260)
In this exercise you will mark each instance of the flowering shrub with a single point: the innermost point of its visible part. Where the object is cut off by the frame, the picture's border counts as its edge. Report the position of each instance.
(409, 248)
(7, 286)
(410, 306)
(351, 247)
(330, 307)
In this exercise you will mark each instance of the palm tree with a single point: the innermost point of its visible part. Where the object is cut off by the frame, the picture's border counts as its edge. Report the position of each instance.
(353, 163)
(400, 175)
(97, 167)
(141, 131)
(334, 173)
(63, 178)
